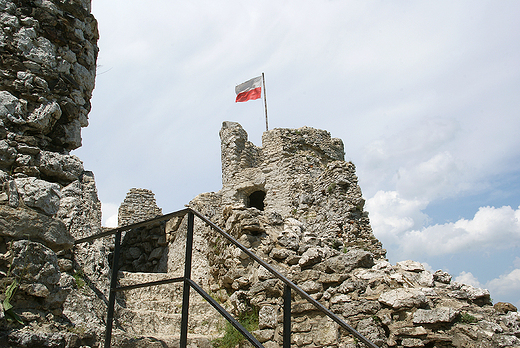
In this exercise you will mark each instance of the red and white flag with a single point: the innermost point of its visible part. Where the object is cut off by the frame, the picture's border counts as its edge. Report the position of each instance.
(249, 90)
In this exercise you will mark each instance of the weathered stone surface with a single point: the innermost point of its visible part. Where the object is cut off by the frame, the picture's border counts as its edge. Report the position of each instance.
(434, 316)
(139, 205)
(468, 292)
(403, 298)
(268, 317)
(26, 223)
(35, 263)
(344, 263)
(411, 266)
(39, 194)
(372, 330)
(65, 168)
(7, 155)
(504, 307)
(310, 257)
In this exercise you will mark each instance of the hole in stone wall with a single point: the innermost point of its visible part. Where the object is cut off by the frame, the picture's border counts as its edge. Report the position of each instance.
(256, 200)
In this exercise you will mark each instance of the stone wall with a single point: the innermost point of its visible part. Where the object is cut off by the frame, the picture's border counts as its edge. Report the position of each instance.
(48, 52)
(142, 249)
(302, 174)
(139, 205)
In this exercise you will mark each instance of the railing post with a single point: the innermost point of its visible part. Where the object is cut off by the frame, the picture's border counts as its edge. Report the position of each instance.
(186, 288)
(112, 292)
(286, 316)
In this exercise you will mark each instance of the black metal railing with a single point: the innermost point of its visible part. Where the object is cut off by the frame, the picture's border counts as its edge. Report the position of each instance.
(188, 284)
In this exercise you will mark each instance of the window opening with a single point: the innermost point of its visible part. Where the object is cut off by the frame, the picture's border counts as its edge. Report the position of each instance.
(256, 200)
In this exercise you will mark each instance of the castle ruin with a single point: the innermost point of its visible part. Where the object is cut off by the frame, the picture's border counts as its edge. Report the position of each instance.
(294, 201)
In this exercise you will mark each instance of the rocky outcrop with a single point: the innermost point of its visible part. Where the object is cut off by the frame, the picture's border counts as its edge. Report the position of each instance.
(50, 293)
(48, 64)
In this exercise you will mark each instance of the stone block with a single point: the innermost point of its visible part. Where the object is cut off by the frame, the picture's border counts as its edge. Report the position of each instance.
(19, 223)
(435, 316)
(403, 298)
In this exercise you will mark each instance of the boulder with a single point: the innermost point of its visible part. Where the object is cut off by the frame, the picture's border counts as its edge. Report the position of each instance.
(435, 316)
(63, 168)
(504, 307)
(39, 194)
(403, 298)
(19, 223)
(410, 266)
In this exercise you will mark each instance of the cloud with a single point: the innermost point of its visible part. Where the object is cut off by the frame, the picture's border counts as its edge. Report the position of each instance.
(391, 215)
(440, 176)
(109, 214)
(468, 278)
(491, 229)
(506, 286)
(396, 220)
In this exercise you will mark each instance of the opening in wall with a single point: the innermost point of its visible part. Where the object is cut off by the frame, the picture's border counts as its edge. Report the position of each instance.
(256, 200)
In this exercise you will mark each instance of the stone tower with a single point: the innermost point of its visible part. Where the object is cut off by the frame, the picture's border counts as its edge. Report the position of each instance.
(298, 173)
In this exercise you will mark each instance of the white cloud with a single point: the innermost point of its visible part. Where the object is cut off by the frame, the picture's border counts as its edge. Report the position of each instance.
(109, 214)
(506, 286)
(468, 278)
(490, 229)
(391, 215)
(442, 175)
(399, 221)
(516, 262)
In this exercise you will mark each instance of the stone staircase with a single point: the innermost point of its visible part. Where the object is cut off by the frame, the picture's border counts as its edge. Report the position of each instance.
(155, 312)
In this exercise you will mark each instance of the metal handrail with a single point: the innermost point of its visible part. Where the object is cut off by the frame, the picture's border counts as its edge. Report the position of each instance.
(188, 283)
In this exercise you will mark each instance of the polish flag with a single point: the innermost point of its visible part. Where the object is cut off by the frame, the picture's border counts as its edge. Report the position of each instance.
(249, 90)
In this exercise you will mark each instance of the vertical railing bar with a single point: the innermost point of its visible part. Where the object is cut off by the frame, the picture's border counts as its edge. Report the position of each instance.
(286, 316)
(236, 324)
(187, 276)
(112, 292)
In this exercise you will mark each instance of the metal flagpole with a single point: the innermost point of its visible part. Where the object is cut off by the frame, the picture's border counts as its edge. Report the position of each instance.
(265, 103)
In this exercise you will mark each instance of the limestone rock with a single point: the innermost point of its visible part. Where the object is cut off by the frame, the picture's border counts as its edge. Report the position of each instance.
(65, 168)
(434, 316)
(410, 266)
(403, 298)
(35, 263)
(39, 194)
(344, 263)
(504, 307)
(267, 317)
(26, 223)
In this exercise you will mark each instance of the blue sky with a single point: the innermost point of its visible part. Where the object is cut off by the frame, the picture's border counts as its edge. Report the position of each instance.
(423, 94)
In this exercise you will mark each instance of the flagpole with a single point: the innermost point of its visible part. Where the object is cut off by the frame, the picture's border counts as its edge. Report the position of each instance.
(265, 104)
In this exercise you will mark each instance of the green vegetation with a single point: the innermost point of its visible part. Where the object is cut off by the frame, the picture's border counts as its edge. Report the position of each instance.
(331, 187)
(7, 306)
(78, 277)
(9, 293)
(232, 337)
(466, 318)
